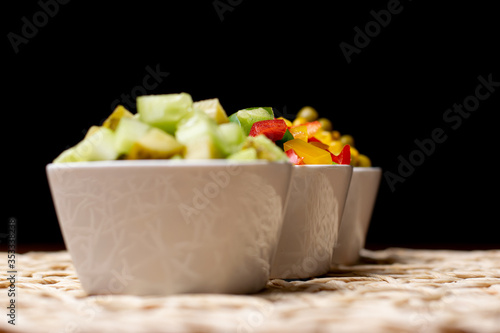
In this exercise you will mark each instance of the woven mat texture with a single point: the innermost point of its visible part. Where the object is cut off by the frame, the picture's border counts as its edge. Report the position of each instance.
(391, 290)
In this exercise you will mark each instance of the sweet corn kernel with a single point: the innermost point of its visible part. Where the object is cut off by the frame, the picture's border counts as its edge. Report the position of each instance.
(299, 121)
(354, 156)
(364, 161)
(347, 139)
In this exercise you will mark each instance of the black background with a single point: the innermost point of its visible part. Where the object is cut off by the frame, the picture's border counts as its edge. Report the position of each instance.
(282, 54)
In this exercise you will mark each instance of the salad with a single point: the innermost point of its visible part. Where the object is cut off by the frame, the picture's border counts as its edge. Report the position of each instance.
(172, 126)
(309, 139)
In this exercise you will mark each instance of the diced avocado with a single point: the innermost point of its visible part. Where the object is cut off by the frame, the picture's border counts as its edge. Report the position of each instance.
(114, 118)
(213, 109)
(266, 149)
(247, 154)
(155, 144)
(129, 131)
(164, 111)
(196, 128)
(232, 136)
(99, 146)
(246, 117)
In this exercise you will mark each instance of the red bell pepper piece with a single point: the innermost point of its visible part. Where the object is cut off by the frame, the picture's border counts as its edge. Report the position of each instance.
(294, 158)
(344, 157)
(312, 127)
(312, 139)
(274, 129)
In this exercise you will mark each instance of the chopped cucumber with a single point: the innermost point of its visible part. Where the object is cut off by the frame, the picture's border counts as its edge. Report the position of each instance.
(247, 154)
(197, 127)
(155, 144)
(98, 146)
(232, 136)
(164, 111)
(114, 118)
(129, 131)
(67, 155)
(266, 149)
(267, 108)
(246, 117)
(203, 147)
(213, 109)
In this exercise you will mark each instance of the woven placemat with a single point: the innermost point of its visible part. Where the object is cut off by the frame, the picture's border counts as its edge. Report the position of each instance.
(391, 290)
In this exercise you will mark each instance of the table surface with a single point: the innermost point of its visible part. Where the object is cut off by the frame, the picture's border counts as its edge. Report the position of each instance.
(389, 290)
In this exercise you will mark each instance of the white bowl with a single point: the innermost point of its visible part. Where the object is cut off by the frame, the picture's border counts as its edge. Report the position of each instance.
(160, 227)
(357, 214)
(310, 229)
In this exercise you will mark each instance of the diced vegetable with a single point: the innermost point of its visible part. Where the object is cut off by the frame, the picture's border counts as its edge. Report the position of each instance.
(344, 157)
(266, 149)
(299, 132)
(98, 146)
(294, 158)
(247, 154)
(288, 122)
(310, 153)
(319, 145)
(114, 118)
(233, 137)
(286, 137)
(128, 132)
(274, 129)
(246, 117)
(213, 109)
(201, 136)
(312, 127)
(164, 111)
(320, 133)
(155, 144)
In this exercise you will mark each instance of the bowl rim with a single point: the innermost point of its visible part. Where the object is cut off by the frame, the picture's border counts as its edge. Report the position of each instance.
(162, 163)
(323, 166)
(367, 169)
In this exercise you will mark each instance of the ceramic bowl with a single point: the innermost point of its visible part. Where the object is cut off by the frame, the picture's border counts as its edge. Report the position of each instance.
(160, 227)
(312, 220)
(357, 214)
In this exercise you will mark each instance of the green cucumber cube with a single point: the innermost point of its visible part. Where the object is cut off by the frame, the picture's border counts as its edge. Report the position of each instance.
(128, 132)
(246, 117)
(165, 110)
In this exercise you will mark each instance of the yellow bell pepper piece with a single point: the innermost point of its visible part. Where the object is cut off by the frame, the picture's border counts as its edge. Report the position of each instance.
(299, 132)
(336, 147)
(288, 122)
(319, 145)
(310, 153)
(324, 136)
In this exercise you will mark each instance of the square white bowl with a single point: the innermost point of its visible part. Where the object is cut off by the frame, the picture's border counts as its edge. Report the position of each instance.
(161, 227)
(358, 211)
(315, 205)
